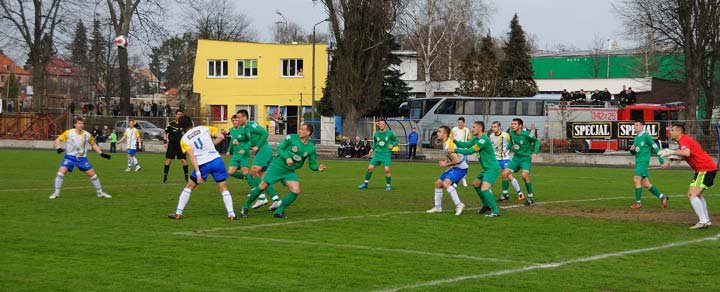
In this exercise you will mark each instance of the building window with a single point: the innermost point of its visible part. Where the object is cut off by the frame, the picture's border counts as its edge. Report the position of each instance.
(217, 68)
(247, 68)
(67, 70)
(218, 113)
(292, 68)
(2, 78)
(249, 108)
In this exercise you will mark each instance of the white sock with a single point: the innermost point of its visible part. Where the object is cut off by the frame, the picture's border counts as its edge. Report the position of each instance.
(58, 182)
(516, 185)
(262, 197)
(227, 200)
(96, 183)
(183, 200)
(275, 198)
(135, 161)
(130, 162)
(454, 195)
(705, 209)
(699, 210)
(438, 198)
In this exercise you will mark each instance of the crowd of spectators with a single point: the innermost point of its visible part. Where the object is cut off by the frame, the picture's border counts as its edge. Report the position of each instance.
(139, 109)
(625, 97)
(354, 148)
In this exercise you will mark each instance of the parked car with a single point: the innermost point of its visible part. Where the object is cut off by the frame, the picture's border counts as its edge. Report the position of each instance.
(147, 129)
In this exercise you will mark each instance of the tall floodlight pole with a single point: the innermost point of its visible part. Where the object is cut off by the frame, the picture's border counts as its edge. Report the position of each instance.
(312, 105)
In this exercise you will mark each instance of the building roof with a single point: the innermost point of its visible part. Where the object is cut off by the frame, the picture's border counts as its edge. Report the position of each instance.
(614, 85)
(59, 67)
(8, 66)
(146, 75)
(172, 91)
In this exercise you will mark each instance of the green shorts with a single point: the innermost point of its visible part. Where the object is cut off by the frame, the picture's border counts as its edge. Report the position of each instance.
(489, 176)
(517, 163)
(239, 161)
(263, 156)
(380, 158)
(278, 174)
(641, 169)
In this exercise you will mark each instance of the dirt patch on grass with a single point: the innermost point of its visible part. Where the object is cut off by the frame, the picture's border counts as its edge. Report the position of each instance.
(687, 217)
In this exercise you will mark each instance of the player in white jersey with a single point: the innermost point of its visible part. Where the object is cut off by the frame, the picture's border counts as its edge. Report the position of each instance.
(77, 141)
(457, 169)
(199, 145)
(132, 136)
(501, 143)
(462, 134)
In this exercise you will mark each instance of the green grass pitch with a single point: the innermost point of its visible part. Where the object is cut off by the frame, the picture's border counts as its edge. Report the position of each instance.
(582, 237)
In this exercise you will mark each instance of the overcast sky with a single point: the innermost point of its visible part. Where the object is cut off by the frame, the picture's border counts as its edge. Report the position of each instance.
(570, 22)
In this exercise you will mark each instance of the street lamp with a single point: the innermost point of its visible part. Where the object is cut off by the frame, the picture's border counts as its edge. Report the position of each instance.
(313, 68)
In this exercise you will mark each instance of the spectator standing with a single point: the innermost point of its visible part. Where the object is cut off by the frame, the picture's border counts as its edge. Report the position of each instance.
(168, 110)
(72, 107)
(113, 142)
(154, 109)
(413, 138)
(99, 108)
(105, 133)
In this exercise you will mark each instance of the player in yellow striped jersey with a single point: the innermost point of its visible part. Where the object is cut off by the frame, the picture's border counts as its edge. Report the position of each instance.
(461, 134)
(501, 144)
(77, 141)
(457, 168)
(199, 145)
(132, 136)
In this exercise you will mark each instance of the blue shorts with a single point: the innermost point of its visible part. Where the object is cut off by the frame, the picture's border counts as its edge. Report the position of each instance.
(132, 152)
(454, 174)
(503, 163)
(70, 162)
(216, 168)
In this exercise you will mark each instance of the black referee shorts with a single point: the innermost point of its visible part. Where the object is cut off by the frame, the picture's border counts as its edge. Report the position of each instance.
(174, 152)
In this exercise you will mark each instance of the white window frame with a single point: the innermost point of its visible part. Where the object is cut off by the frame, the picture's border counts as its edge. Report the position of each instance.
(215, 66)
(294, 61)
(241, 73)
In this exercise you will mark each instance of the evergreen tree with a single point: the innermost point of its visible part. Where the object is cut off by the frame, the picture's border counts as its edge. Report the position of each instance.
(479, 70)
(516, 71)
(97, 55)
(325, 106)
(13, 88)
(394, 90)
(79, 45)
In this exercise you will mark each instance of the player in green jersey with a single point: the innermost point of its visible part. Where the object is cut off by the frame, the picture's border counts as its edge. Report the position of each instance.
(239, 150)
(491, 168)
(263, 155)
(643, 147)
(383, 142)
(292, 153)
(524, 148)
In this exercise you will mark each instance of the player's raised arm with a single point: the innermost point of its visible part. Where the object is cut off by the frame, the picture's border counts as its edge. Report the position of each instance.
(262, 134)
(467, 151)
(466, 144)
(282, 148)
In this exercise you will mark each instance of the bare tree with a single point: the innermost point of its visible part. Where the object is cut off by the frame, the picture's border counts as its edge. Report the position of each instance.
(435, 28)
(219, 20)
(691, 28)
(361, 31)
(145, 16)
(36, 23)
(596, 57)
(286, 33)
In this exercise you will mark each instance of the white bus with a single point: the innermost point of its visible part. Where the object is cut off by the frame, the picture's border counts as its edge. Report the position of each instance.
(433, 112)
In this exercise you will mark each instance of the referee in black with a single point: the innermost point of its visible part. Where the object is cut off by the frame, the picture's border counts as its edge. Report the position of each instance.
(173, 134)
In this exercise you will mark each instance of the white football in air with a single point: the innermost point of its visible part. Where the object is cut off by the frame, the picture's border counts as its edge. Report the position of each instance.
(121, 41)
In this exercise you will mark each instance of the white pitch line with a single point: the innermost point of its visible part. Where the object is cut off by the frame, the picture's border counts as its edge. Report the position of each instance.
(49, 189)
(554, 265)
(359, 247)
(377, 216)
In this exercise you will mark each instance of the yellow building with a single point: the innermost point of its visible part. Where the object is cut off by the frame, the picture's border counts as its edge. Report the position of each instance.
(272, 81)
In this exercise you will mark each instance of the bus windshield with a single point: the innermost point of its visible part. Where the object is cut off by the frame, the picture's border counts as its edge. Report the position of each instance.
(420, 107)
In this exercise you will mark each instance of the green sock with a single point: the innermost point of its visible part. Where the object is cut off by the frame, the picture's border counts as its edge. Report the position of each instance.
(489, 198)
(254, 194)
(286, 202)
(271, 192)
(505, 185)
(250, 181)
(482, 198)
(528, 185)
(368, 175)
(238, 175)
(656, 192)
(388, 179)
(638, 195)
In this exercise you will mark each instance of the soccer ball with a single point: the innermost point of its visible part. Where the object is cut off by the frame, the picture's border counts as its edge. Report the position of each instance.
(121, 41)
(668, 154)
